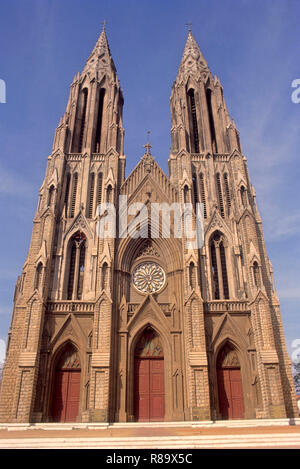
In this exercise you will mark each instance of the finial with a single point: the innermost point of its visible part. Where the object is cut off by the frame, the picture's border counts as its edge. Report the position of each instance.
(104, 25)
(189, 26)
(148, 146)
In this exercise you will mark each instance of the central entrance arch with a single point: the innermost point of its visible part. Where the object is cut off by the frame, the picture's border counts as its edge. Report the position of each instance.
(149, 394)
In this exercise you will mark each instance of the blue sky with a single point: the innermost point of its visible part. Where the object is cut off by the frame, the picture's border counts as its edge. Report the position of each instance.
(252, 45)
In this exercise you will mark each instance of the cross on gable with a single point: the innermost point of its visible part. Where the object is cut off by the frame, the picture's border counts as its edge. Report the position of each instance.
(148, 146)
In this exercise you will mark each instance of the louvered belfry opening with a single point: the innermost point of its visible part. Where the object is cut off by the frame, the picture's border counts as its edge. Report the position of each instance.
(211, 120)
(74, 195)
(220, 195)
(67, 193)
(83, 119)
(97, 146)
(90, 213)
(202, 193)
(76, 266)
(227, 193)
(220, 286)
(194, 123)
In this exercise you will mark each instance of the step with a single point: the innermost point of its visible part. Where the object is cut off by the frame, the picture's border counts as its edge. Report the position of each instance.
(198, 442)
(187, 424)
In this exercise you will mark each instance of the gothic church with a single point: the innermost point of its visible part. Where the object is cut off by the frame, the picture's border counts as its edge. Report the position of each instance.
(129, 328)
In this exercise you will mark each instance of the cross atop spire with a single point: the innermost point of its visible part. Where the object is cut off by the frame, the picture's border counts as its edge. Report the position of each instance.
(189, 26)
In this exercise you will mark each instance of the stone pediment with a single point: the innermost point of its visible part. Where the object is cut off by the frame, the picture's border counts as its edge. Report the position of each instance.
(69, 329)
(149, 310)
(227, 328)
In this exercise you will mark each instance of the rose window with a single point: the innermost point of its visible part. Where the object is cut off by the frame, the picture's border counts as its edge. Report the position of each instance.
(148, 277)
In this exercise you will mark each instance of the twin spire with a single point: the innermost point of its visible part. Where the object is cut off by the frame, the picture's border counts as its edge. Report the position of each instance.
(192, 58)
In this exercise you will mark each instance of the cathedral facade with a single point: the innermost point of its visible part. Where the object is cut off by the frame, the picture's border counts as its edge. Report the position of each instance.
(143, 326)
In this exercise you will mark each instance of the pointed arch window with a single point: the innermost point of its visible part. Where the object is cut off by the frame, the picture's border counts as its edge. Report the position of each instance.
(109, 194)
(51, 196)
(99, 189)
(76, 266)
(220, 287)
(99, 121)
(220, 196)
(67, 193)
(74, 194)
(193, 121)
(243, 196)
(227, 192)
(90, 213)
(83, 118)
(186, 197)
(192, 275)
(104, 280)
(195, 189)
(256, 274)
(38, 276)
(202, 193)
(211, 120)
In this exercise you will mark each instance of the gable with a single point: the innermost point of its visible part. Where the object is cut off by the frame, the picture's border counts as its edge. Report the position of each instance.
(148, 170)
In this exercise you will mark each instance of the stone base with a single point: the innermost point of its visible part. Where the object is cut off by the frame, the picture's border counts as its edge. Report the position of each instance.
(99, 415)
(200, 413)
(277, 411)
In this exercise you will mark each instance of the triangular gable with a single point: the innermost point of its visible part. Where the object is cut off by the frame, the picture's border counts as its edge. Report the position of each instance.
(147, 166)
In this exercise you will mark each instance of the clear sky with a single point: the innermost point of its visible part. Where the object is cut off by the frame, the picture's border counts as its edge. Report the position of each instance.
(252, 45)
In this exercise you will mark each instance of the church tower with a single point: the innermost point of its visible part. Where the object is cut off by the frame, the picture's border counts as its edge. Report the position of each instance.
(145, 326)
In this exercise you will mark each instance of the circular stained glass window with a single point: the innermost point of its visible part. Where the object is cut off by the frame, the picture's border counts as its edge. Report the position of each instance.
(148, 277)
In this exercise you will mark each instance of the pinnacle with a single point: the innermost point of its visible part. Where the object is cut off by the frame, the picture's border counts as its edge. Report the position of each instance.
(102, 43)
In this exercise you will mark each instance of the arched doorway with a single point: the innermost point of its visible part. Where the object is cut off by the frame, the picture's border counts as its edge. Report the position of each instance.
(230, 389)
(66, 391)
(149, 394)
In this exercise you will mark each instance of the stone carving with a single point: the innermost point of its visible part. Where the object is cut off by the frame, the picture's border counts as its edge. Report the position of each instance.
(148, 250)
(148, 277)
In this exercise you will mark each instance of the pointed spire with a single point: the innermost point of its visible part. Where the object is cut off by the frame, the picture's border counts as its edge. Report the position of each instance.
(102, 43)
(101, 55)
(192, 58)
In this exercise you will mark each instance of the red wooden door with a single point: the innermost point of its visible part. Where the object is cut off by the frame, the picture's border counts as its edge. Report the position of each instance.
(230, 389)
(149, 389)
(157, 395)
(66, 396)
